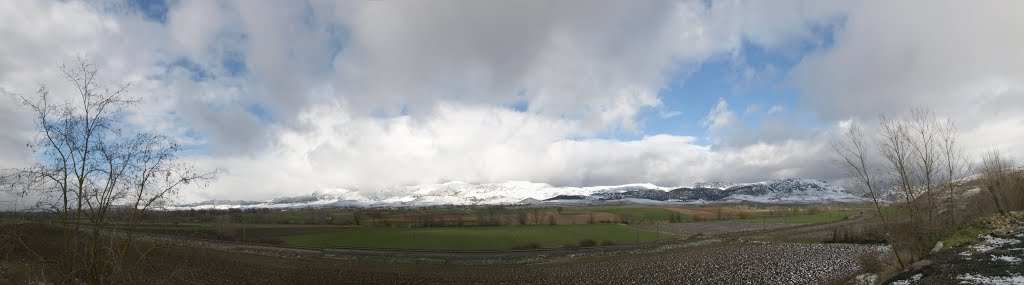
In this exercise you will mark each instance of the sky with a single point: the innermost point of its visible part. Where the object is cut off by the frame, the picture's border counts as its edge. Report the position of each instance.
(289, 97)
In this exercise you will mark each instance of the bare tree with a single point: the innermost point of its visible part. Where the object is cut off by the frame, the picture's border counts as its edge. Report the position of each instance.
(997, 178)
(955, 165)
(854, 156)
(91, 163)
(924, 138)
(536, 213)
(895, 147)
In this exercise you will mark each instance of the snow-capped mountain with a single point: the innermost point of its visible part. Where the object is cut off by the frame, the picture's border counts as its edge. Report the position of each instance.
(792, 191)
(718, 185)
(805, 191)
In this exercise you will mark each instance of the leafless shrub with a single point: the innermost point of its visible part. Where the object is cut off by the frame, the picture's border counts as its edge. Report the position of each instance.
(1001, 181)
(588, 243)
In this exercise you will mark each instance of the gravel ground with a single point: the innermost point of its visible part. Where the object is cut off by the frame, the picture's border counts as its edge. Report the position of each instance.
(739, 263)
(748, 263)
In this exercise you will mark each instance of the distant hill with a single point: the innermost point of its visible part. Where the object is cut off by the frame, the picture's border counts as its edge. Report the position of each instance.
(783, 191)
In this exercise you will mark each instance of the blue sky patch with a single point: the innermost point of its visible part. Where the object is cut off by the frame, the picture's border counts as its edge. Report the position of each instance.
(262, 113)
(151, 10)
(197, 72)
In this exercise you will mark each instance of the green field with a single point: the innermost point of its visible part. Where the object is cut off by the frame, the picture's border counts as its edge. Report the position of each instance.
(824, 217)
(473, 238)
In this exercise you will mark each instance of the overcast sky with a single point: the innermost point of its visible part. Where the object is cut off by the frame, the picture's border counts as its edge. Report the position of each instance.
(288, 97)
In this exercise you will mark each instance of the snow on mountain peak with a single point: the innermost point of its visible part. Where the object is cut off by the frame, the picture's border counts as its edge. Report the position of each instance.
(513, 192)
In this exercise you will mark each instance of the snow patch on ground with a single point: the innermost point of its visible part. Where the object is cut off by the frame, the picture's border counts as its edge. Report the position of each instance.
(991, 243)
(912, 279)
(866, 279)
(1006, 258)
(990, 280)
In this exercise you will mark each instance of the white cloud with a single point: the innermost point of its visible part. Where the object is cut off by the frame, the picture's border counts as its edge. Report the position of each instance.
(602, 62)
(775, 109)
(486, 144)
(194, 25)
(752, 108)
(720, 116)
(667, 114)
(959, 59)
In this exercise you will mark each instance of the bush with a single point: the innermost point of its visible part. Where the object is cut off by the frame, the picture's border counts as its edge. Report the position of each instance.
(607, 243)
(588, 243)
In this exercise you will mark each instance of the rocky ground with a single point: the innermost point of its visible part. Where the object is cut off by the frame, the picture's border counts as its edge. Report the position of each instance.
(995, 259)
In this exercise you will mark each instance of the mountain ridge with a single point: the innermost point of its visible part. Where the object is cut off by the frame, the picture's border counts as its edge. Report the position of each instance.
(781, 191)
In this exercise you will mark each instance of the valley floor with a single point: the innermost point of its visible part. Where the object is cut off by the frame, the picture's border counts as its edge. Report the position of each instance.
(708, 260)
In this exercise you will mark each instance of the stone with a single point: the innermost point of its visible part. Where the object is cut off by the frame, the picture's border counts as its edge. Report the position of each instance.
(938, 247)
(1001, 232)
(920, 264)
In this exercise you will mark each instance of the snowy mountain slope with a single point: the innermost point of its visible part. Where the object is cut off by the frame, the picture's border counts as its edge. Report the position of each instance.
(714, 185)
(805, 191)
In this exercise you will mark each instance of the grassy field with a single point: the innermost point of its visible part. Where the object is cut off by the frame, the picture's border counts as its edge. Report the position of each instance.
(474, 238)
(458, 228)
(824, 217)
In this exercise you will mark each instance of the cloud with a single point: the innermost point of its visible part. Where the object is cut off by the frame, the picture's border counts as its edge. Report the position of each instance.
(720, 116)
(488, 144)
(752, 108)
(962, 61)
(956, 59)
(291, 97)
(539, 53)
(667, 114)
